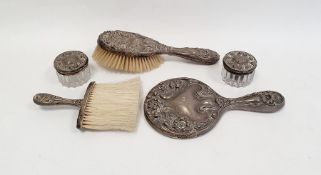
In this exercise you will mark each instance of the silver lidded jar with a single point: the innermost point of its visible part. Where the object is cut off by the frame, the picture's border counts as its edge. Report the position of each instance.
(72, 68)
(238, 68)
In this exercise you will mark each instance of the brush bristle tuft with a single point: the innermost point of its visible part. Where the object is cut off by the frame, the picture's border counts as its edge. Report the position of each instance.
(113, 106)
(120, 62)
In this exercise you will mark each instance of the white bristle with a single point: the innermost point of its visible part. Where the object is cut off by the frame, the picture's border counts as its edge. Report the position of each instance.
(113, 106)
(121, 62)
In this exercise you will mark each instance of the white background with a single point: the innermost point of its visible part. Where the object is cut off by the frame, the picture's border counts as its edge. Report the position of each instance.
(284, 36)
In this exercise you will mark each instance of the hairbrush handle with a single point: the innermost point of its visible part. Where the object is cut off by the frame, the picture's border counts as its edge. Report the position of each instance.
(198, 55)
(264, 101)
(45, 99)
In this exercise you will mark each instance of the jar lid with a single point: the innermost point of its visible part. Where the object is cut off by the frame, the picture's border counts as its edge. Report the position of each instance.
(70, 62)
(239, 62)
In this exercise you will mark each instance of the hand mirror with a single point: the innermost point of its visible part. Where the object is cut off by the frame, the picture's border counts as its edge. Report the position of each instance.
(187, 108)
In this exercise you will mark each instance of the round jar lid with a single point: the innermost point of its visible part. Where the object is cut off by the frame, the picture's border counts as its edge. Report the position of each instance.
(70, 62)
(239, 62)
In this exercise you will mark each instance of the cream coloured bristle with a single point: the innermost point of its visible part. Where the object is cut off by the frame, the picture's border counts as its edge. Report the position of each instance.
(124, 63)
(113, 106)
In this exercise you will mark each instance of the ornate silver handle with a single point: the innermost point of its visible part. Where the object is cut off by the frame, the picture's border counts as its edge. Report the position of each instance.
(198, 55)
(45, 99)
(265, 101)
